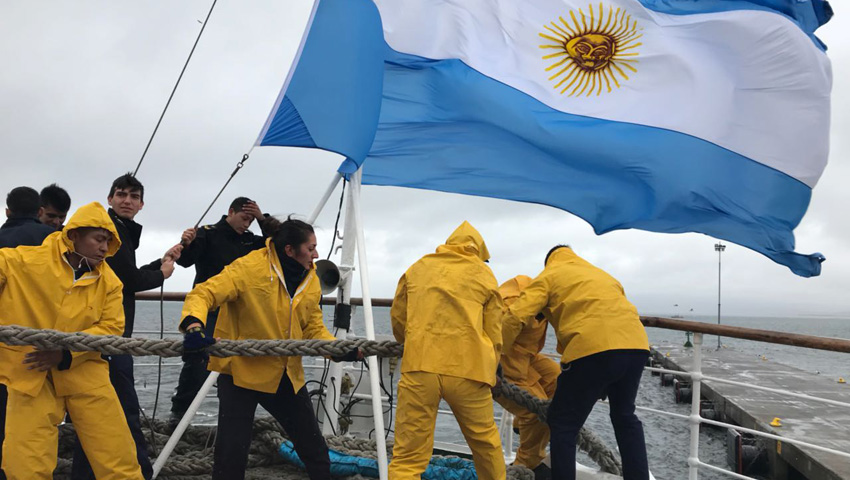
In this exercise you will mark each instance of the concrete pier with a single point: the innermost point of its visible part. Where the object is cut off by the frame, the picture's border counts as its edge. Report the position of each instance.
(806, 420)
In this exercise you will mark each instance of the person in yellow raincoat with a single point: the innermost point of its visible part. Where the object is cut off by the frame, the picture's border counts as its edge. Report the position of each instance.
(447, 313)
(524, 366)
(64, 284)
(271, 293)
(603, 349)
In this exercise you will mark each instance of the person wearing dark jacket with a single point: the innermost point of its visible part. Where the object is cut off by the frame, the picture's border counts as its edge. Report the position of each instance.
(210, 249)
(55, 204)
(126, 199)
(22, 226)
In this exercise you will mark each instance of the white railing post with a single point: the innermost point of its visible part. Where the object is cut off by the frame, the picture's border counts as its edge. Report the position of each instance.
(184, 424)
(374, 372)
(696, 379)
(506, 431)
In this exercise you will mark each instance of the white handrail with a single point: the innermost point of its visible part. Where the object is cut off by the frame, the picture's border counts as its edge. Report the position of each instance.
(684, 373)
(777, 390)
(723, 470)
(777, 437)
(693, 456)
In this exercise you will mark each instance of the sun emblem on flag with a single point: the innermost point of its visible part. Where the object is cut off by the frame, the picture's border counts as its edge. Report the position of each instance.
(592, 51)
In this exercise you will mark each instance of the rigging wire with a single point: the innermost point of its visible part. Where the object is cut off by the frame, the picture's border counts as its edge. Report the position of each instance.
(336, 223)
(239, 166)
(174, 89)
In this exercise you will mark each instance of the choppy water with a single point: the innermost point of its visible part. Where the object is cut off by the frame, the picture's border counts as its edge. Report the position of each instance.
(667, 439)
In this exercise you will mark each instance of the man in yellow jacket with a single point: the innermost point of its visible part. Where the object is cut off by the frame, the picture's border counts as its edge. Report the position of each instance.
(447, 313)
(603, 349)
(64, 284)
(524, 366)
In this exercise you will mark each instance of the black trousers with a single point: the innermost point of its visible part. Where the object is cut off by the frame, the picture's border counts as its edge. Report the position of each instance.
(294, 411)
(193, 375)
(4, 395)
(121, 376)
(615, 373)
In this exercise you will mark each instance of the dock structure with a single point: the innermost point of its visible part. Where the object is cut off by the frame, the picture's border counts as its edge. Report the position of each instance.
(805, 420)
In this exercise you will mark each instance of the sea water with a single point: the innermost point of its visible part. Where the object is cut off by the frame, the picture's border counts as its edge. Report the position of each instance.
(667, 438)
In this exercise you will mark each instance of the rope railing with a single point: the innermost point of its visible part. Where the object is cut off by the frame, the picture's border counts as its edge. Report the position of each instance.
(114, 345)
(754, 334)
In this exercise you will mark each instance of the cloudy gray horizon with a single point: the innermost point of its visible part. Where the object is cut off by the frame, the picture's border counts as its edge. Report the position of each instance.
(85, 82)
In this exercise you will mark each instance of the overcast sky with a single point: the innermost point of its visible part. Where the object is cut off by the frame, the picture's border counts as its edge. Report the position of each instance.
(83, 84)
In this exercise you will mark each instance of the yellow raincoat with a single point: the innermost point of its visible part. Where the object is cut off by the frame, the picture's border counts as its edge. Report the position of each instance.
(38, 290)
(447, 313)
(255, 304)
(586, 306)
(524, 366)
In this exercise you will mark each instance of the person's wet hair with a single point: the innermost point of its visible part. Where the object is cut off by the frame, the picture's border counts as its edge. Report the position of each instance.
(239, 203)
(551, 251)
(55, 196)
(289, 232)
(23, 202)
(129, 183)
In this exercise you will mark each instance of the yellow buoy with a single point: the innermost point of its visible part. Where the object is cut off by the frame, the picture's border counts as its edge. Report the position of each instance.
(764, 358)
(776, 422)
(668, 354)
(841, 380)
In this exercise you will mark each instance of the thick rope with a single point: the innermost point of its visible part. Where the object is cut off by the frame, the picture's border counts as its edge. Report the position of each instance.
(114, 345)
(587, 442)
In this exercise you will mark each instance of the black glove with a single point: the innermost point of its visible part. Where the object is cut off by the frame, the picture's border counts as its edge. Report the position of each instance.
(195, 343)
(351, 356)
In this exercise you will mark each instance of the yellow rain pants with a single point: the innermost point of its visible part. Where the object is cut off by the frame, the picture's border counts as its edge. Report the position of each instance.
(533, 434)
(419, 395)
(29, 451)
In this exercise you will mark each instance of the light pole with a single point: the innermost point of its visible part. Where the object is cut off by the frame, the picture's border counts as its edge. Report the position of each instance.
(718, 247)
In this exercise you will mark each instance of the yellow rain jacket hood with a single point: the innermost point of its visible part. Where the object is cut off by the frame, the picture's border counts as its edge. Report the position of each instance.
(587, 308)
(38, 290)
(466, 240)
(447, 311)
(255, 304)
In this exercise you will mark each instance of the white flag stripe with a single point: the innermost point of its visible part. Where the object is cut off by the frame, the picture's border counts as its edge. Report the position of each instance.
(749, 81)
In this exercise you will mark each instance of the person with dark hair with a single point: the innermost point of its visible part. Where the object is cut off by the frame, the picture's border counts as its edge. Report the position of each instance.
(22, 226)
(272, 293)
(70, 289)
(210, 249)
(446, 311)
(603, 348)
(55, 204)
(126, 199)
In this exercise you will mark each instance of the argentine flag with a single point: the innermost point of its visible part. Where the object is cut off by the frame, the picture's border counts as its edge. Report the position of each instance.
(673, 116)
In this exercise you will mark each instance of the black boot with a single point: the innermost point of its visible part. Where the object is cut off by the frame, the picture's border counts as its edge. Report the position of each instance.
(542, 472)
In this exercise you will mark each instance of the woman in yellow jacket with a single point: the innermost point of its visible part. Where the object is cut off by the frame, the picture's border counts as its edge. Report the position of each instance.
(603, 349)
(447, 311)
(524, 366)
(271, 293)
(64, 284)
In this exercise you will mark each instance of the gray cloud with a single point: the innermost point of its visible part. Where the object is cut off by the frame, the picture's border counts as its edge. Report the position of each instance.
(84, 84)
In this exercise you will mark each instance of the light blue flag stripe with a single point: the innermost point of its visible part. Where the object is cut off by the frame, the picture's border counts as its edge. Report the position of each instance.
(446, 127)
(333, 97)
(806, 14)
